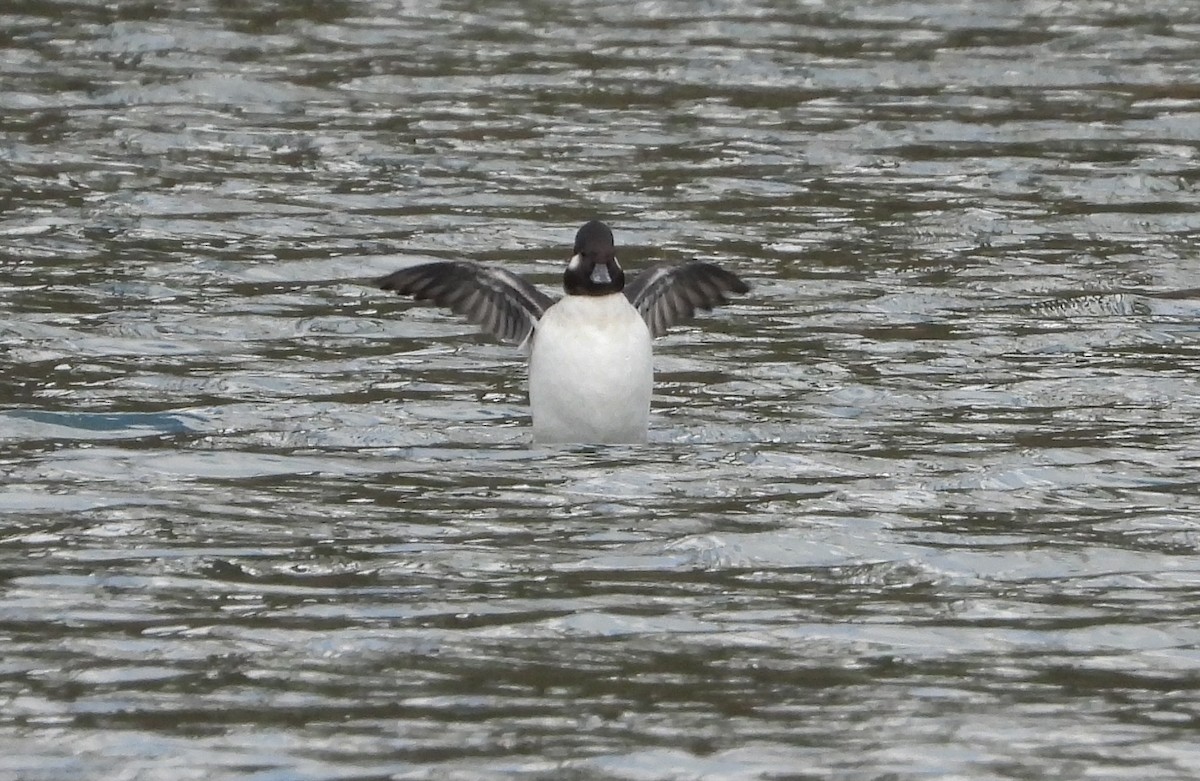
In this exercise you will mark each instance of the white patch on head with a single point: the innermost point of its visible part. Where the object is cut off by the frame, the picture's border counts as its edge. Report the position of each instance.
(575, 262)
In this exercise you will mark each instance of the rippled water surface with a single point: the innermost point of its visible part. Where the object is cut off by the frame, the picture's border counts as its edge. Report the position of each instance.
(922, 505)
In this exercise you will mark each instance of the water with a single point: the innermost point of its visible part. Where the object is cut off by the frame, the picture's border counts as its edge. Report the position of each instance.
(923, 505)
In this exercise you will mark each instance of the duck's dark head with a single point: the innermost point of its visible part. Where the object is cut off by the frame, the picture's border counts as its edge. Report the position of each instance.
(594, 270)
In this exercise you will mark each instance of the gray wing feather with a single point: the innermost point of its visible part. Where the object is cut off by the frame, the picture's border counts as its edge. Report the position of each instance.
(501, 303)
(667, 294)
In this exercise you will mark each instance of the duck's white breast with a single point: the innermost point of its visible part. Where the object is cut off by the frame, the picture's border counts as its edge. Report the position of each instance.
(591, 372)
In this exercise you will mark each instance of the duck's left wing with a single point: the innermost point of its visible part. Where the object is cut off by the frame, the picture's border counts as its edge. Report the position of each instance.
(668, 294)
(502, 303)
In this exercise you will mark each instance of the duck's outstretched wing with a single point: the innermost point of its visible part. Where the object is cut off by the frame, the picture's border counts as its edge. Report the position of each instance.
(668, 294)
(503, 304)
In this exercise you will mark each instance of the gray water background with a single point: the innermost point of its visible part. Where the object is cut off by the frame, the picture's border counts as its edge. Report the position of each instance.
(923, 505)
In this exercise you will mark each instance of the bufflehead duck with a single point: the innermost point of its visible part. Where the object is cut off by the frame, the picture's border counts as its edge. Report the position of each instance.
(590, 363)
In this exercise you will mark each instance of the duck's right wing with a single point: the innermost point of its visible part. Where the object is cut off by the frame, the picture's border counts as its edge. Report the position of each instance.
(503, 304)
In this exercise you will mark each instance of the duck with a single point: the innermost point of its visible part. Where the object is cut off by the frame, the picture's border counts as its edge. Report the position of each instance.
(591, 367)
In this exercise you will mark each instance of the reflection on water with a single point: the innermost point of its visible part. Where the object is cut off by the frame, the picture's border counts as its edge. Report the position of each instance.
(922, 506)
